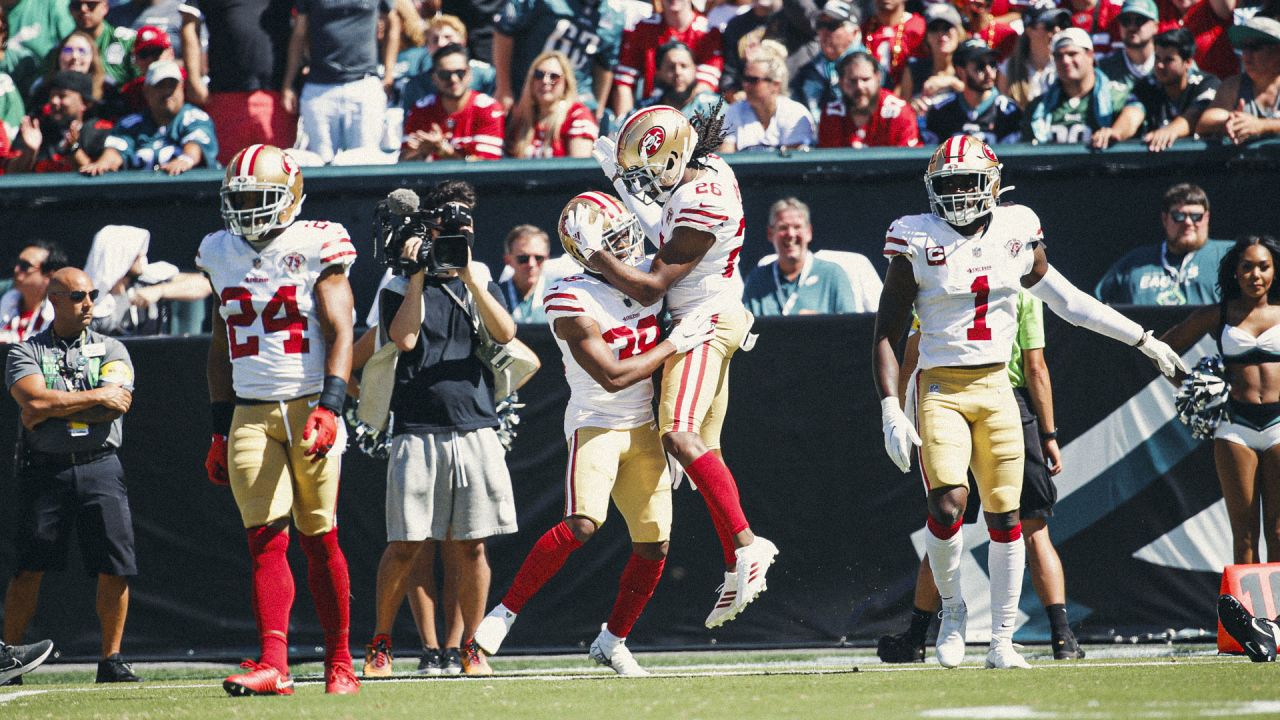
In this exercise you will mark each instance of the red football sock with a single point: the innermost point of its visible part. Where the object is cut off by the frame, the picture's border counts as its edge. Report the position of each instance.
(635, 588)
(272, 593)
(331, 590)
(720, 493)
(544, 561)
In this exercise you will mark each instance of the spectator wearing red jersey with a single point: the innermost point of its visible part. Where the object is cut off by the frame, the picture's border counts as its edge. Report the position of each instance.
(1098, 19)
(983, 24)
(893, 35)
(548, 121)
(867, 115)
(149, 45)
(1208, 21)
(456, 122)
(637, 64)
(64, 138)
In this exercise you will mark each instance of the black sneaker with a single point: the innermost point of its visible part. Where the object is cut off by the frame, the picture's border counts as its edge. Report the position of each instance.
(15, 660)
(1065, 647)
(900, 648)
(431, 662)
(114, 669)
(1257, 635)
(451, 661)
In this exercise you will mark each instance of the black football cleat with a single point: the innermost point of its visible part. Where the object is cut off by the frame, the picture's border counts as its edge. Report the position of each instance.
(1065, 647)
(900, 648)
(113, 669)
(1257, 635)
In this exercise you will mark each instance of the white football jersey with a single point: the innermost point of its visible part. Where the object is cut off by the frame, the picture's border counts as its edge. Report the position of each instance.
(968, 287)
(628, 328)
(711, 203)
(273, 333)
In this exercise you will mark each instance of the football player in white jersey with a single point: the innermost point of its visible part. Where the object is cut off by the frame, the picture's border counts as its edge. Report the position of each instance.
(279, 362)
(687, 201)
(611, 346)
(961, 267)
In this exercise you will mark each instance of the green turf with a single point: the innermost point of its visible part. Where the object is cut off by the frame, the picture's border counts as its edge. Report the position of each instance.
(1175, 685)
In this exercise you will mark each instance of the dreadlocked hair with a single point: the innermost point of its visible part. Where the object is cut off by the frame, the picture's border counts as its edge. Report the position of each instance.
(711, 133)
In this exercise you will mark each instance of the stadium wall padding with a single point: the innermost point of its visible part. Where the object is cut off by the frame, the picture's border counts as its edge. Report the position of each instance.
(1095, 206)
(804, 440)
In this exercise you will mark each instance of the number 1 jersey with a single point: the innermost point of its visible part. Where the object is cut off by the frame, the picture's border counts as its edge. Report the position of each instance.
(266, 299)
(967, 300)
(628, 328)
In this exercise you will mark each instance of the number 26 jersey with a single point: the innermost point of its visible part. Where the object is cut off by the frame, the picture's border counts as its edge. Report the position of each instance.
(967, 287)
(267, 301)
(628, 328)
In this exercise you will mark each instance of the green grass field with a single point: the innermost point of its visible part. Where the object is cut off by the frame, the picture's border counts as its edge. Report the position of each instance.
(1116, 682)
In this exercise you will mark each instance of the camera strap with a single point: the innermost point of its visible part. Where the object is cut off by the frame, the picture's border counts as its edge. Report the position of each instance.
(468, 309)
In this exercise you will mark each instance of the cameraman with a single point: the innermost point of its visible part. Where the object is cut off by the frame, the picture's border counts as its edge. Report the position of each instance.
(447, 482)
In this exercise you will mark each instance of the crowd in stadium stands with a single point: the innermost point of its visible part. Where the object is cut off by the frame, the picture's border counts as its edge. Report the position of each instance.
(97, 86)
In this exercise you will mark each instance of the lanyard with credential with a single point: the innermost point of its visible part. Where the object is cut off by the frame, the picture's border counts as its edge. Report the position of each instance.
(805, 267)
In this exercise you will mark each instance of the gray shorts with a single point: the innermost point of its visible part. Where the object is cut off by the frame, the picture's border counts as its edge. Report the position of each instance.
(448, 486)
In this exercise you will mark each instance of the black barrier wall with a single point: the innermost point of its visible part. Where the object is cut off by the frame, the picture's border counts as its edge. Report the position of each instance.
(1094, 206)
(804, 440)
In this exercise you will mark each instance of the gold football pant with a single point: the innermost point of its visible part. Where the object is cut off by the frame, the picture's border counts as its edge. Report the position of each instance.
(628, 465)
(271, 478)
(695, 385)
(968, 419)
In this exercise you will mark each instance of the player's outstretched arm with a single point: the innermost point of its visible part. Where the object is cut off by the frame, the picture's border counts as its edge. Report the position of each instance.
(676, 259)
(587, 345)
(892, 320)
(1182, 336)
(1078, 308)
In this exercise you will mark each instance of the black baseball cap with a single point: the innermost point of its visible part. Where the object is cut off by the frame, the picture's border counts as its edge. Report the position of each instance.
(973, 49)
(74, 81)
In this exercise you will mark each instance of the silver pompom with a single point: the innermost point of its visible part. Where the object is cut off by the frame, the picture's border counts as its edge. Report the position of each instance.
(1201, 400)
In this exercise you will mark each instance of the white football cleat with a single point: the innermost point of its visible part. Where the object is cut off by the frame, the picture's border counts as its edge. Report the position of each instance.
(493, 629)
(612, 652)
(1002, 656)
(753, 563)
(726, 609)
(950, 646)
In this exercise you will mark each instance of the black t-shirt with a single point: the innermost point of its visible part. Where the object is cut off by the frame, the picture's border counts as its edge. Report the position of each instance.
(1160, 110)
(440, 385)
(248, 40)
(997, 119)
(479, 16)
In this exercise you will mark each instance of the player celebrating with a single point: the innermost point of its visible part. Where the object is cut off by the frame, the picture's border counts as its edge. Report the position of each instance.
(611, 350)
(688, 203)
(278, 368)
(961, 267)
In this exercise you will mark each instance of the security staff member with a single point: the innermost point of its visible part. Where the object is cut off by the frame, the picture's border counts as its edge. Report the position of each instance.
(73, 386)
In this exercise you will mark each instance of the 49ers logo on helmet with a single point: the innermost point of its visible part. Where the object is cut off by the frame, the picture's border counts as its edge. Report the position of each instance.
(986, 150)
(652, 140)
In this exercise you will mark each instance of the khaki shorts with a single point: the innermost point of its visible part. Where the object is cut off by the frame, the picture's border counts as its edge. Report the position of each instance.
(630, 467)
(695, 385)
(448, 486)
(270, 477)
(969, 419)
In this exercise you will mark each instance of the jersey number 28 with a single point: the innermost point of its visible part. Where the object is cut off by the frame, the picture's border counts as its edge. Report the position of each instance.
(638, 341)
(280, 313)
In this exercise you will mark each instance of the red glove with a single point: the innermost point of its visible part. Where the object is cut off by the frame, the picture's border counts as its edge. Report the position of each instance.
(320, 432)
(215, 463)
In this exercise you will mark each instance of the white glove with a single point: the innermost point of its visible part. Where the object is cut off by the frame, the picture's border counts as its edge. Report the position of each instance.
(692, 331)
(587, 227)
(677, 473)
(606, 154)
(1162, 355)
(899, 433)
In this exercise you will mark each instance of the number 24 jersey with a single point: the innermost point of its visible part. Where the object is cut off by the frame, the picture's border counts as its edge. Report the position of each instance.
(628, 327)
(967, 287)
(266, 299)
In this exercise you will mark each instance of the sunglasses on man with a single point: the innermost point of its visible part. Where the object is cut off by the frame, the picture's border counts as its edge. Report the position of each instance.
(1133, 20)
(1180, 217)
(86, 4)
(450, 74)
(151, 53)
(830, 25)
(77, 296)
(25, 265)
(523, 259)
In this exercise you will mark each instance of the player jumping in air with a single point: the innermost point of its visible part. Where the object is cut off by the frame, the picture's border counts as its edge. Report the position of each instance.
(278, 368)
(961, 267)
(688, 203)
(611, 348)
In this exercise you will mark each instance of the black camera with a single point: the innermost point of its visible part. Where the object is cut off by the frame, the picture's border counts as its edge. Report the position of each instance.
(397, 219)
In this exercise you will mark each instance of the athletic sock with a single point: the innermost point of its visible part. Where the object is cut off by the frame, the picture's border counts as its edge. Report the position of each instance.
(920, 622)
(1058, 625)
(544, 561)
(330, 586)
(1006, 560)
(720, 493)
(272, 593)
(944, 546)
(639, 579)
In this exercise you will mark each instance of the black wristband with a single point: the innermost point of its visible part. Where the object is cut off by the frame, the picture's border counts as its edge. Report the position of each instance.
(220, 412)
(1051, 435)
(334, 394)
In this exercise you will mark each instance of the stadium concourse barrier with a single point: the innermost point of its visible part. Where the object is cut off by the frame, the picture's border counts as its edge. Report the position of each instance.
(1139, 523)
(1094, 205)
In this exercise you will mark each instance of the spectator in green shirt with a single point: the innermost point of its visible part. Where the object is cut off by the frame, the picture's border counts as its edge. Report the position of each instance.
(526, 251)
(1080, 102)
(115, 45)
(1182, 270)
(35, 26)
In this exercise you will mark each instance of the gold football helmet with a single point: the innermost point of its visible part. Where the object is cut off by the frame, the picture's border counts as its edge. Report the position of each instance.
(963, 179)
(622, 234)
(261, 191)
(654, 147)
